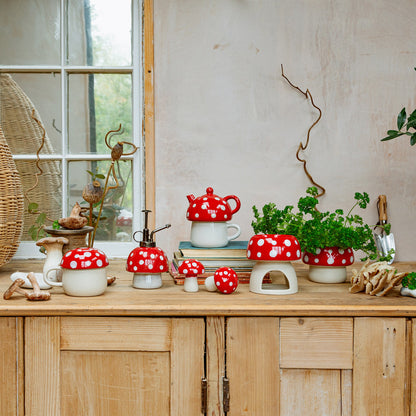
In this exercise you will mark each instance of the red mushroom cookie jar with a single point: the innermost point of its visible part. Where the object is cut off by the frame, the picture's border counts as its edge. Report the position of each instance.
(83, 272)
(209, 214)
(147, 261)
(273, 252)
(329, 264)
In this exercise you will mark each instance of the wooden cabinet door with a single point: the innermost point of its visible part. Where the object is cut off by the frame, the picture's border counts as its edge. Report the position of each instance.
(114, 366)
(11, 366)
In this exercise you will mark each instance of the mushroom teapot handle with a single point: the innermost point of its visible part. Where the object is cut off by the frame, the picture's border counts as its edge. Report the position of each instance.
(237, 202)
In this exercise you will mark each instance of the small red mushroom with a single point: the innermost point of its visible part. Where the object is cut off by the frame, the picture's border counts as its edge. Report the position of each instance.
(330, 256)
(147, 264)
(191, 268)
(225, 280)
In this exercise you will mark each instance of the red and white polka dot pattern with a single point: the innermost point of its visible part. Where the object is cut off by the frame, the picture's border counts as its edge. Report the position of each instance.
(273, 247)
(147, 260)
(191, 268)
(330, 256)
(211, 207)
(83, 259)
(226, 280)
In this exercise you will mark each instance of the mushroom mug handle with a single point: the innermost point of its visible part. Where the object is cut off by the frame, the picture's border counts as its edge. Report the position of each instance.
(51, 282)
(236, 234)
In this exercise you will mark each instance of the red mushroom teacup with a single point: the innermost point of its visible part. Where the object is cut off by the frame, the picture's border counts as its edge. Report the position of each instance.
(83, 272)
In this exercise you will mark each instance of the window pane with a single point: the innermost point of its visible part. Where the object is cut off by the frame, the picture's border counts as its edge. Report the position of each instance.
(116, 221)
(99, 32)
(30, 32)
(19, 95)
(97, 103)
(47, 194)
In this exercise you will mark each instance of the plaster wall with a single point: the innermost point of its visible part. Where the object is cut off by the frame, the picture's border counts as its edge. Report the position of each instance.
(226, 118)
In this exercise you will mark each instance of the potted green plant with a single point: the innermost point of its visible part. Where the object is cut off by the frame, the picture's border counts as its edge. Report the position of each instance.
(327, 239)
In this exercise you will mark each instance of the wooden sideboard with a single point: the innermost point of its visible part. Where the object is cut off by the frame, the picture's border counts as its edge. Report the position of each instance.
(322, 351)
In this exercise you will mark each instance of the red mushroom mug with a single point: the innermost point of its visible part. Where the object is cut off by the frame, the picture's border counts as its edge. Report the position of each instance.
(209, 214)
(83, 272)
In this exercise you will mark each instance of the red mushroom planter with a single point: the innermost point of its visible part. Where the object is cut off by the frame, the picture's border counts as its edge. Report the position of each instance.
(225, 280)
(328, 265)
(147, 264)
(273, 252)
(209, 215)
(83, 272)
(191, 269)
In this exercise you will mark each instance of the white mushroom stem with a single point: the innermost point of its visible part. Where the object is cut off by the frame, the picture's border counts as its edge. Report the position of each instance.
(53, 247)
(210, 284)
(191, 284)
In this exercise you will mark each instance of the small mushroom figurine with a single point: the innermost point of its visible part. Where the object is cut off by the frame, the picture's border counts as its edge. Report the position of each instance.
(191, 269)
(53, 247)
(35, 294)
(75, 221)
(147, 262)
(273, 252)
(225, 280)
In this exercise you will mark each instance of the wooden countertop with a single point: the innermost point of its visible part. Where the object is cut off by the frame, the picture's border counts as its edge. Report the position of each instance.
(121, 299)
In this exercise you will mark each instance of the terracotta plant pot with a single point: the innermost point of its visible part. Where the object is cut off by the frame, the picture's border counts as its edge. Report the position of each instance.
(328, 265)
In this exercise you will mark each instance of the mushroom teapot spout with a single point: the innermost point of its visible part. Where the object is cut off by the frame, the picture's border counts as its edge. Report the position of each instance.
(191, 198)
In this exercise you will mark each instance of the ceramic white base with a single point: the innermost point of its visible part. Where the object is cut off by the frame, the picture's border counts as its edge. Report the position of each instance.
(327, 274)
(191, 284)
(405, 291)
(147, 281)
(261, 268)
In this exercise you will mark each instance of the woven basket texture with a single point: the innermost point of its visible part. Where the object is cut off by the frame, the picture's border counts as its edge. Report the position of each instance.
(23, 135)
(11, 204)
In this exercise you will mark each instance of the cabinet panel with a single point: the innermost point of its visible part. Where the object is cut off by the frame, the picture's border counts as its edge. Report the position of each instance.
(379, 375)
(310, 392)
(11, 366)
(253, 366)
(316, 343)
(110, 379)
(115, 383)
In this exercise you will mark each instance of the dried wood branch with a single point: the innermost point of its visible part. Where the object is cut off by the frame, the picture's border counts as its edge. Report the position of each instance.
(302, 147)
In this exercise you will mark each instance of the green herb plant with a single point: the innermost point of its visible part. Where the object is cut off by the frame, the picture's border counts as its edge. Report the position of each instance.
(315, 229)
(406, 125)
(409, 281)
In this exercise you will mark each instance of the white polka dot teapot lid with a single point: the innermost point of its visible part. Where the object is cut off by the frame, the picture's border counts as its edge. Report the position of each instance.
(211, 207)
(84, 259)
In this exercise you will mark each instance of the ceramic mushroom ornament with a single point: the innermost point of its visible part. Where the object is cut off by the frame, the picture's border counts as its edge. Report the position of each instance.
(191, 269)
(209, 214)
(328, 265)
(147, 261)
(273, 252)
(225, 280)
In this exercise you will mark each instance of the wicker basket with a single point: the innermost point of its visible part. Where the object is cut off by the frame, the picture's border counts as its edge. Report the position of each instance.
(23, 135)
(11, 204)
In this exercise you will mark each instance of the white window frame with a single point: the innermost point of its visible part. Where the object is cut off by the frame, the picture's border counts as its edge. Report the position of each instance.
(113, 249)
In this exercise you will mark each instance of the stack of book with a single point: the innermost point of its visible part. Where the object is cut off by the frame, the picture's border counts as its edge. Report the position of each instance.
(233, 255)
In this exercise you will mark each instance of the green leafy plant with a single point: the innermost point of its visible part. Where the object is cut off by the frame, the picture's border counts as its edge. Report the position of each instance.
(406, 125)
(315, 229)
(409, 281)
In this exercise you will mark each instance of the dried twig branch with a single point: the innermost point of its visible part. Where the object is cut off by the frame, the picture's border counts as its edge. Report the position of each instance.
(302, 146)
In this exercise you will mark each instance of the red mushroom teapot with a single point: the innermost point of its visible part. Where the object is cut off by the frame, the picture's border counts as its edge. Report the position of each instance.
(209, 214)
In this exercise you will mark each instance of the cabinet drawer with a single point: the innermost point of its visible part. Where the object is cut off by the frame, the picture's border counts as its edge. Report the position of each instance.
(316, 343)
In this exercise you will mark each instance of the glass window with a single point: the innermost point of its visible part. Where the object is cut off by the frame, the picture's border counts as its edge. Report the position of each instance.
(75, 67)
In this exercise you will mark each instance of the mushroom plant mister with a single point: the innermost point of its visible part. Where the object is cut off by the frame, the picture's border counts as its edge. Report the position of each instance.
(147, 262)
